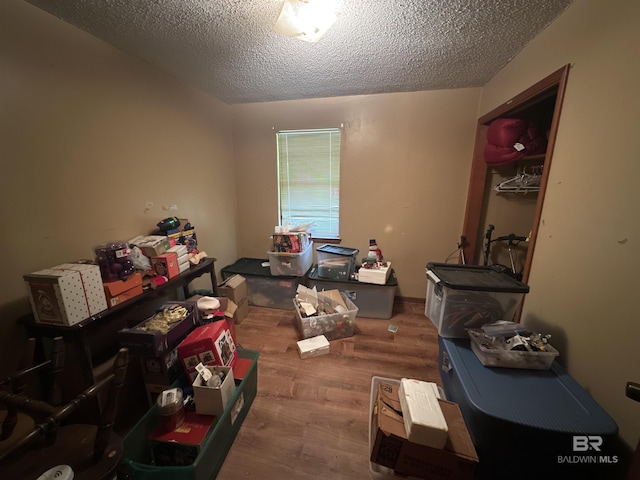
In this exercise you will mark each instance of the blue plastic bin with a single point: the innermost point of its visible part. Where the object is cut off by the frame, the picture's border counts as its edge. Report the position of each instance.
(529, 423)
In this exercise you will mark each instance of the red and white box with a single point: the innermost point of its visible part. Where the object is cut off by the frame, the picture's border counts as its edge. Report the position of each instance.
(66, 294)
(209, 344)
(181, 447)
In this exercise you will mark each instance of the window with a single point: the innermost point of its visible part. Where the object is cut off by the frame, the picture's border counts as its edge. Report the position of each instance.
(309, 180)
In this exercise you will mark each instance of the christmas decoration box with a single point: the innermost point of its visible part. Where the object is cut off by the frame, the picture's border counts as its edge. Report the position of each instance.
(66, 294)
(377, 275)
(209, 344)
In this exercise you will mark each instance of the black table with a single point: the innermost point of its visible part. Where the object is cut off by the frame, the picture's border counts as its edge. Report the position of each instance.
(94, 340)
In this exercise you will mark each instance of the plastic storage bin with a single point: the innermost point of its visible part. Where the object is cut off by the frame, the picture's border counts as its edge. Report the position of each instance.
(296, 264)
(522, 421)
(264, 289)
(490, 357)
(336, 325)
(468, 296)
(137, 450)
(373, 301)
(336, 262)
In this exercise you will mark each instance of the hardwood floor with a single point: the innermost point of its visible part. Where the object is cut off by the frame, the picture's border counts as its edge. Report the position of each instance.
(310, 418)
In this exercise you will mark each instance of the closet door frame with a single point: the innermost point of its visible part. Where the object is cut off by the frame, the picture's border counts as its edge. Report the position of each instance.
(554, 84)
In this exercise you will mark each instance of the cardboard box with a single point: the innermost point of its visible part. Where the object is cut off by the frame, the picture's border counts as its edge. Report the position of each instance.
(66, 294)
(151, 245)
(120, 291)
(166, 264)
(227, 312)
(181, 446)
(183, 257)
(424, 421)
(184, 237)
(162, 370)
(377, 276)
(209, 344)
(230, 311)
(457, 461)
(235, 288)
(92, 284)
(180, 251)
(161, 332)
(183, 267)
(213, 400)
(313, 347)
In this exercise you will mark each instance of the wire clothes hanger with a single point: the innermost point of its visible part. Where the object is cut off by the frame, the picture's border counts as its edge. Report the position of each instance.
(523, 182)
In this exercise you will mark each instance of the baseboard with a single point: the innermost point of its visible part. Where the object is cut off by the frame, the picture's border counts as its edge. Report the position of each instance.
(409, 300)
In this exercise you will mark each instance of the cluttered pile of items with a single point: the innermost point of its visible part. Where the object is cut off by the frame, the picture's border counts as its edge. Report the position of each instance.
(511, 345)
(192, 370)
(479, 303)
(69, 293)
(330, 314)
(513, 395)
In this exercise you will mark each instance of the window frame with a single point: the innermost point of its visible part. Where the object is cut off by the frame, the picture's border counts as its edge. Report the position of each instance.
(305, 167)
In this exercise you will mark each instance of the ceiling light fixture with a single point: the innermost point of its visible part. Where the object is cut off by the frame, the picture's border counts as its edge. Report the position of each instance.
(306, 20)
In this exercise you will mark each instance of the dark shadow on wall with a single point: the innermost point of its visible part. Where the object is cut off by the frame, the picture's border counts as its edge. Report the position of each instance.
(13, 338)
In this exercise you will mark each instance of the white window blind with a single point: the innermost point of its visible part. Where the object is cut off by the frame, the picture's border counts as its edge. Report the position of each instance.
(309, 180)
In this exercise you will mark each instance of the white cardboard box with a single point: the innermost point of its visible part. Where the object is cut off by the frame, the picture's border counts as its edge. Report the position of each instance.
(313, 347)
(424, 421)
(379, 276)
(92, 284)
(151, 245)
(213, 400)
(65, 296)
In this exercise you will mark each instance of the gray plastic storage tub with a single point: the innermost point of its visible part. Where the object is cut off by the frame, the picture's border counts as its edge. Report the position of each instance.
(373, 301)
(264, 289)
(336, 262)
(468, 296)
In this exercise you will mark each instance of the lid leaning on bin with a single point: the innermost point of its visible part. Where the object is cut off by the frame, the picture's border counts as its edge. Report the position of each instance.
(474, 277)
(337, 250)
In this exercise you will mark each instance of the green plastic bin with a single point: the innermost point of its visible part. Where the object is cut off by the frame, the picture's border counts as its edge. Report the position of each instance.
(137, 450)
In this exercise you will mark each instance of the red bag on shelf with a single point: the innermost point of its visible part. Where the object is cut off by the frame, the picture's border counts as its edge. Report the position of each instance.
(510, 139)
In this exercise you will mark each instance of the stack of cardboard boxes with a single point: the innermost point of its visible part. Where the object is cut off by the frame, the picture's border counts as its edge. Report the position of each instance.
(416, 438)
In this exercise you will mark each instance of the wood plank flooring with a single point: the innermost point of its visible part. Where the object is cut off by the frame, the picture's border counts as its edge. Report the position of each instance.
(310, 418)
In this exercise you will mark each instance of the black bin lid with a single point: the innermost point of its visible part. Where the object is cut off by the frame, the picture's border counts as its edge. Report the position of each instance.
(247, 266)
(475, 277)
(337, 250)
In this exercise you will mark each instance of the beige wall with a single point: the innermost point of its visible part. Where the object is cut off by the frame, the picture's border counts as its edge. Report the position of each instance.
(584, 275)
(88, 136)
(404, 173)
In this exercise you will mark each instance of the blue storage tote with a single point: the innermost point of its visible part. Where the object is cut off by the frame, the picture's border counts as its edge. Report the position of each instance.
(529, 423)
(138, 464)
(263, 288)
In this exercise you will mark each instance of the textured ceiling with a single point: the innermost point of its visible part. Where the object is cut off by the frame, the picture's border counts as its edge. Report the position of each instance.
(228, 48)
